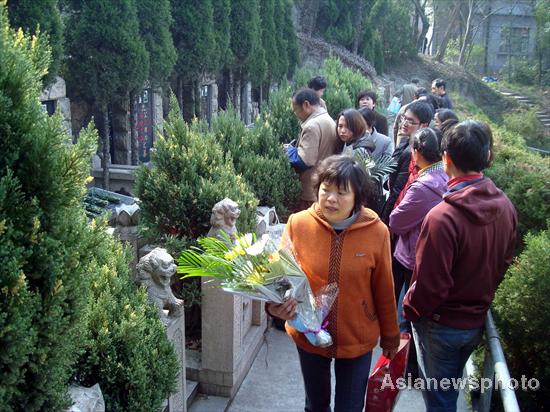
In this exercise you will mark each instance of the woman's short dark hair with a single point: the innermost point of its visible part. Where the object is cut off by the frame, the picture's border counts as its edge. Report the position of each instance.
(317, 83)
(470, 145)
(368, 115)
(445, 114)
(421, 91)
(354, 121)
(433, 101)
(447, 124)
(367, 93)
(300, 96)
(344, 171)
(427, 141)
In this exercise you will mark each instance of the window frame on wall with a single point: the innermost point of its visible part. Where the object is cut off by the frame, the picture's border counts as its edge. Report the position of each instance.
(514, 40)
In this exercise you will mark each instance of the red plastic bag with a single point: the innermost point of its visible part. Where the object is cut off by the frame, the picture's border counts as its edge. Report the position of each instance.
(381, 396)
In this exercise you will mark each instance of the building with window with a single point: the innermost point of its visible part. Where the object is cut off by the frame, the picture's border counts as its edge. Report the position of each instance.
(505, 29)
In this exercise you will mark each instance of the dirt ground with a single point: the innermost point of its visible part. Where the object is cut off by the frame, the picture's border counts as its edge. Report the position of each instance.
(426, 69)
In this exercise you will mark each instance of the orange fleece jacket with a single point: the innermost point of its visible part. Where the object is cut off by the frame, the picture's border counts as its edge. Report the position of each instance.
(358, 260)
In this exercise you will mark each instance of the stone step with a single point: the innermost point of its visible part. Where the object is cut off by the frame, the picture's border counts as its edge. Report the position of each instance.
(192, 390)
(192, 364)
(209, 403)
(542, 117)
(542, 113)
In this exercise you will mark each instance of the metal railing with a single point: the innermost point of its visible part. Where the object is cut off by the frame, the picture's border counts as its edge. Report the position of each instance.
(496, 370)
(540, 151)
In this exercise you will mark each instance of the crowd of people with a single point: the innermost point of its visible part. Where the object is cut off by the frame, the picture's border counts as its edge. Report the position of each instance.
(427, 259)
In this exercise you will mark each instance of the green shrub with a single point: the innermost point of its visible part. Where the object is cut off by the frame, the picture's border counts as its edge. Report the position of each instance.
(279, 115)
(343, 86)
(525, 178)
(43, 232)
(525, 124)
(259, 158)
(190, 174)
(126, 348)
(522, 313)
(522, 71)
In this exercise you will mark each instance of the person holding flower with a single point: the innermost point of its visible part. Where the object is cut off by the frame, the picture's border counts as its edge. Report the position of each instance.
(337, 240)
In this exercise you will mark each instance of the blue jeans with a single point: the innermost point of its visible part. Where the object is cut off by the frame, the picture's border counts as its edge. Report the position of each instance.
(442, 352)
(351, 382)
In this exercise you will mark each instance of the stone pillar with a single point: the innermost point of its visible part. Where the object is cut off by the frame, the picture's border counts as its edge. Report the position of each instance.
(121, 151)
(246, 103)
(158, 119)
(232, 331)
(54, 97)
(127, 219)
(155, 271)
(214, 99)
(175, 330)
(232, 325)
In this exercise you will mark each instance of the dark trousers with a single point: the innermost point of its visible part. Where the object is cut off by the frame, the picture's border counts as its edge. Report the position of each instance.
(351, 382)
(402, 280)
(401, 277)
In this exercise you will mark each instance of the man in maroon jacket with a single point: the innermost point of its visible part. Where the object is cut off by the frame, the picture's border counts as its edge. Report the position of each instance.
(465, 245)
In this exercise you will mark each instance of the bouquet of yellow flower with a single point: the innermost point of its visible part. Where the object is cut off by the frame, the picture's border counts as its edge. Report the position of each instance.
(257, 269)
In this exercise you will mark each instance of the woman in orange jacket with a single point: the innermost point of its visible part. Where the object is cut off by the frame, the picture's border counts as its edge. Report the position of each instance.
(339, 240)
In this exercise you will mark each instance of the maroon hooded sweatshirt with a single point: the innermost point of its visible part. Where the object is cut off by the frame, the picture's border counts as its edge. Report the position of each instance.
(466, 243)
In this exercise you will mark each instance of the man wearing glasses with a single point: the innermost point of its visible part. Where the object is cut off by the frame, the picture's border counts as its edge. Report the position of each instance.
(418, 115)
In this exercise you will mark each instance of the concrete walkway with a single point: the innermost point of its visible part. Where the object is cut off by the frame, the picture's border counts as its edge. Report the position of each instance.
(274, 383)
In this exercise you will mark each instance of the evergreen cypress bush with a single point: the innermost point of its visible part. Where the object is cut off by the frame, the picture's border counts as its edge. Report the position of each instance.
(343, 86)
(189, 175)
(522, 313)
(525, 178)
(43, 285)
(279, 115)
(126, 349)
(50, 261)
(259, 158)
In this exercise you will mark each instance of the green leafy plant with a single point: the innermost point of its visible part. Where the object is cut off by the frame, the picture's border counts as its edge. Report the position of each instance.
(377, 167)
(125, 348)
(190, 175)
(258, 157)
(522, 313)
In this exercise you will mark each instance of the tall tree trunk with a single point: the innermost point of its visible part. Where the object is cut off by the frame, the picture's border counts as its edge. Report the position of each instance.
(133, 132)
(237, 92)
(197, 99)
(105, 140)
(487, 35)
(179, 93)
(425, 24)
(230, 89)
(358, 24)
(188, 101)
(443, 46)
(467, 34)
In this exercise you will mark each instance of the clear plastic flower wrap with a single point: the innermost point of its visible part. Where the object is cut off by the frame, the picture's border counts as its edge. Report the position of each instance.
(258, 270)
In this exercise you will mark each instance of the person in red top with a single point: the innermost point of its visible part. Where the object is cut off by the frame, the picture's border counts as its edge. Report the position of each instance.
(465, 245)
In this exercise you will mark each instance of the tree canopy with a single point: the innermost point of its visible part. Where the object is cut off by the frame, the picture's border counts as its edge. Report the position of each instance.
(32, 15)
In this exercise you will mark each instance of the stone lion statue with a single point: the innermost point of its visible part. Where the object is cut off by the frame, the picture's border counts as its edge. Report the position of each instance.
(223, 219)
(155, 270)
